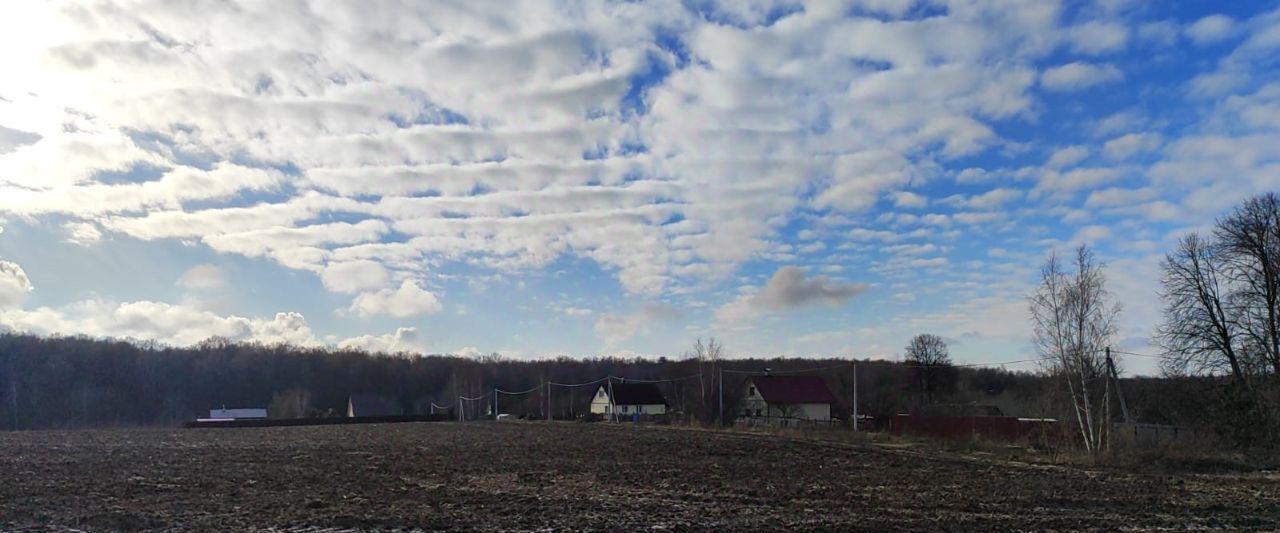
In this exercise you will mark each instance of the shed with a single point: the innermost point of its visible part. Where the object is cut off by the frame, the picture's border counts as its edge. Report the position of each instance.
(628, 399)
(372, 405)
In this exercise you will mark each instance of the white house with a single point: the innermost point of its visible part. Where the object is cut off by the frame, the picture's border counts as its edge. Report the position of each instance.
(785, 398)
(629, 399)
(227, 414)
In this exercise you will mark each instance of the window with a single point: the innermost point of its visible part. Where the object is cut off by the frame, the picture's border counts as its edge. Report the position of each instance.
(606, 408)
(751, 391)
(624, 408)
(757, 412)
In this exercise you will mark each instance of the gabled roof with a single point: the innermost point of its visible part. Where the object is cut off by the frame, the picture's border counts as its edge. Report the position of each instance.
(636, 394)
(793, 389)
(373, 405)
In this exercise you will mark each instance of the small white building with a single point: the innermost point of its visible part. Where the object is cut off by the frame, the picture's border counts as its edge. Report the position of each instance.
(230, 414)
(782, 398)
(629, 399)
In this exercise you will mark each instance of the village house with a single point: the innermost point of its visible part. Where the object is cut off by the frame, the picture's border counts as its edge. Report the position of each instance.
(768, 399)
(629, 399)
(372, 405)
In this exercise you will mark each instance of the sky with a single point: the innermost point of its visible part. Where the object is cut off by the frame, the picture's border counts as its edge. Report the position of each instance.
(810, 179)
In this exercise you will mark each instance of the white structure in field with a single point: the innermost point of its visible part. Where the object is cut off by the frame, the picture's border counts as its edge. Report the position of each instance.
(786, 398)
(629, 399)
(227, 414)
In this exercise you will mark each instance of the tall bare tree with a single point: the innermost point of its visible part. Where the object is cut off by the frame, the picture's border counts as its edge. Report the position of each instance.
(1249, 238)
(1074, 320)
(930, 362)
(708, 356)
(1201, 330)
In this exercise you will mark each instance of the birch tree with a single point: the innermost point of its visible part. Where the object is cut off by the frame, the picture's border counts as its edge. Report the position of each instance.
(708, 356)
(1074, 320)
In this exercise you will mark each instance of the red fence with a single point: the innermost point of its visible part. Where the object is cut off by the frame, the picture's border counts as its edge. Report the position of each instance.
(996, 428)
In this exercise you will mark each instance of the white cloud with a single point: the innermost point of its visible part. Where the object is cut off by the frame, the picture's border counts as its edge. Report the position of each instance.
(1077, 76)
(354, 276)
(994, 198)
(148, 320)
(406, 301)
(909, 200)
(1065, 157)
(1090, 235)
(405, 339)
(615, 328)
(14, 285)
(1162, 33)
(1098, 37)
(1211, 29)
(342, 131)
(82, 233)
(1126, 146)
(788, 288)
(203, 277)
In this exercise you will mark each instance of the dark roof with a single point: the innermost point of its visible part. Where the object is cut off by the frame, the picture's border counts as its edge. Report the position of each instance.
(374, 405)
(636, 394)
(793, 389)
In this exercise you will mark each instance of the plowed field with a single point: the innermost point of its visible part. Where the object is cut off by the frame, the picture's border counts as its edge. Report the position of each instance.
(522, 476)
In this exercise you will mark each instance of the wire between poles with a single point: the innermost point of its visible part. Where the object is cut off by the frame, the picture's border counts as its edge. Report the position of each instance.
(500, 391)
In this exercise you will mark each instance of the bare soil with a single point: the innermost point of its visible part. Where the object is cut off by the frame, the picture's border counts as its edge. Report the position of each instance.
(527, 476)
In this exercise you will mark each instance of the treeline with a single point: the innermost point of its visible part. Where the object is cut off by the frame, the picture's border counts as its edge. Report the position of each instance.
(81, 382)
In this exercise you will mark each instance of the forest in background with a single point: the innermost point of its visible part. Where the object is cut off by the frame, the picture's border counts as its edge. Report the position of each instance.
(81, 382)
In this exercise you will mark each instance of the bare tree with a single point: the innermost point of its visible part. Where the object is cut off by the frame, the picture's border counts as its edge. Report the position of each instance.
(1074, 321)
(930, 362)
(1201, 330)
(708, 356)
(1249, 238)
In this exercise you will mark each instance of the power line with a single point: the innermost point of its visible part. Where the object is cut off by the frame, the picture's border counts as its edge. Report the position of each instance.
(1153, 356)
(668, 380)
(592, 382)
(500, 391)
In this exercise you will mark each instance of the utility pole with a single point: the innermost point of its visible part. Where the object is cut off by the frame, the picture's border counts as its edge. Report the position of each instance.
(720, 414)
(613, 408)
(1115, 381)
(548, 389)
(855, 397)
(495, 404)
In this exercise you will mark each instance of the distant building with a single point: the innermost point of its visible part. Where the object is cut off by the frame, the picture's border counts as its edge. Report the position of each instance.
(629, 399)
(372, 405)
(786, 398)
(228, 414)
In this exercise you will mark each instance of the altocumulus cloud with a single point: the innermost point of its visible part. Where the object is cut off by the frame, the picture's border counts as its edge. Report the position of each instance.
(386, 150)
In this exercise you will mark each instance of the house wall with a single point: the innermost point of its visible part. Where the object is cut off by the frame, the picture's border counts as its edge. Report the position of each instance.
(237, 413)
(600, 402)
(645, 409)
(600, 406)
(753, 402)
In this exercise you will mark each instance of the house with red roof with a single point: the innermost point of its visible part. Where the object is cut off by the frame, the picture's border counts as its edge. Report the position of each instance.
(770, 399)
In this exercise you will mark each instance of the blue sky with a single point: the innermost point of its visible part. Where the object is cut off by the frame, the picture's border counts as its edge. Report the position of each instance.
(797, 178)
